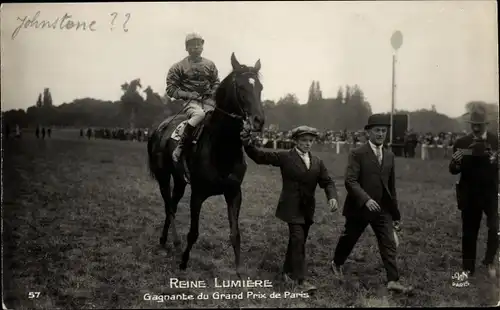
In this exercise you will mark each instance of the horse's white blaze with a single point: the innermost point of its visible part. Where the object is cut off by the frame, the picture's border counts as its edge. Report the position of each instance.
(251, 81)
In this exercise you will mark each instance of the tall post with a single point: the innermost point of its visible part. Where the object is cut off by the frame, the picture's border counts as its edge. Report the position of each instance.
(396, 42)
(393, 95)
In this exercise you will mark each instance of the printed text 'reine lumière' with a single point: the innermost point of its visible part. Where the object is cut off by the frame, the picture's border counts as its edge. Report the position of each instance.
(176, 283)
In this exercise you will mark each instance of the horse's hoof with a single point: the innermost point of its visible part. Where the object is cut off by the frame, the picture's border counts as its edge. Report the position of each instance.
(239, 272)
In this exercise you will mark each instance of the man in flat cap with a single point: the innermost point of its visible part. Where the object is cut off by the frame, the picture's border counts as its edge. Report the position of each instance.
(301, 172)
(475, 157)
(371, 200)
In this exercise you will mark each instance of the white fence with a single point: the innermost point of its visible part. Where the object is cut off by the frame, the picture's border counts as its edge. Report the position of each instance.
(422, 151)
(435, 151)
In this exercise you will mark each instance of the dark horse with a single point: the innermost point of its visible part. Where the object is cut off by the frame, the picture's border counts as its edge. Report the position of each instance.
(216, 162)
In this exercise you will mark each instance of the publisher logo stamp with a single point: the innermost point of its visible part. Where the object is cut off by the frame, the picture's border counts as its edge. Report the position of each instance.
(460, 279)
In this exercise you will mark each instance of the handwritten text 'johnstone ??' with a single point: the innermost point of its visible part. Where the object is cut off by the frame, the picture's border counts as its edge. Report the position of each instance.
(65, 22)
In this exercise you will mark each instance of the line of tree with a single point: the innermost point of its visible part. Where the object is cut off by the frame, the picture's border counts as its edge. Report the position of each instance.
(349, 110)
(46, 100)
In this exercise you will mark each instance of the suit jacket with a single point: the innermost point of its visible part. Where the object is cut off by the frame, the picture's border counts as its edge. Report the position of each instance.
(297, 199)
(365, 179)
(478, 176)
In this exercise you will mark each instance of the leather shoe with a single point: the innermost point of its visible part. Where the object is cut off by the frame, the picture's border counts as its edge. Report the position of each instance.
(398, 287)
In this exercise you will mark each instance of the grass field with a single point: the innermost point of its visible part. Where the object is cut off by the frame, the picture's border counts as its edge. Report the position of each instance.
(82, 221)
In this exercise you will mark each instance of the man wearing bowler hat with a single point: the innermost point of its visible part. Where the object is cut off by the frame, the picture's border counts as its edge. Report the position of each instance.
(371, 200)
(475, 157)
(301, 172)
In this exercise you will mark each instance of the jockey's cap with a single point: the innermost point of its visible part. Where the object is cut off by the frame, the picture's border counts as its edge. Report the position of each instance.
(194, 36)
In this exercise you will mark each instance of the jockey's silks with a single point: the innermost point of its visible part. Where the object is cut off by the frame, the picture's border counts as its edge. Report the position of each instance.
(190, 76)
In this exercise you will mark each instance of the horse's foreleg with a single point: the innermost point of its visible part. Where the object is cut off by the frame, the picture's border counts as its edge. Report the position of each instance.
(195, 207)
(177, 194)
(233, 201)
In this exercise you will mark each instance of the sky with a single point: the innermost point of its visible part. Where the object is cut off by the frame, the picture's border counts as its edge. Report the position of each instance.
(448, 56)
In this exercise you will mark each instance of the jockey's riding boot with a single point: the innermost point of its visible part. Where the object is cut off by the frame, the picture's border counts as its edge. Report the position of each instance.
(185, 139)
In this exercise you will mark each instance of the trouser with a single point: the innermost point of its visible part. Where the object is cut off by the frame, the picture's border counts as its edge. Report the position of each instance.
(425, 152)
(295, 259)
(471, 222)
(195, 112)
(410, 150)
(381, 224)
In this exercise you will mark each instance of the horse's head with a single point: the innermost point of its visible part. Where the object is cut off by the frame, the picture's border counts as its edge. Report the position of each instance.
(248, 93)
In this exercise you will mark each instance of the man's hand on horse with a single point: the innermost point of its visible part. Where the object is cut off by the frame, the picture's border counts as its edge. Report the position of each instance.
(246, 137)
(397, 225)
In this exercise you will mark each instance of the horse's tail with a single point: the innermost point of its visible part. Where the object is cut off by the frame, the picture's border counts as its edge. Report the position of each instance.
(152, 163)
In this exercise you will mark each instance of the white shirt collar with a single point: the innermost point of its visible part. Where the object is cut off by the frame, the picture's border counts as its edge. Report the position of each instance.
(374, 147)
(483, 136)
(302, 154)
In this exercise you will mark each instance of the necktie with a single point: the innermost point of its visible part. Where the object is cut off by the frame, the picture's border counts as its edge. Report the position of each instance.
(379, 155)
(306, 160)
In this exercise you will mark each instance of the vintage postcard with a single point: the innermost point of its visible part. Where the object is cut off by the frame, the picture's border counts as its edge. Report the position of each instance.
(249, 154)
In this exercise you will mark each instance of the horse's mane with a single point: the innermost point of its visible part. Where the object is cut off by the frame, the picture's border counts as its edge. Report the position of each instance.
(220, 93)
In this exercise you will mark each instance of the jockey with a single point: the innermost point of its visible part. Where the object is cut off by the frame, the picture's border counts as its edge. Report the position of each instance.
(189, 79)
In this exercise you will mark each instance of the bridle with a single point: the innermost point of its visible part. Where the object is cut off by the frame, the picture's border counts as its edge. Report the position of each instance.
(244, 114)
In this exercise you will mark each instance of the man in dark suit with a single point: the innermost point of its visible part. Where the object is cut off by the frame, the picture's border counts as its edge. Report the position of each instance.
(301, 172)
(371, 199)
(475, 157)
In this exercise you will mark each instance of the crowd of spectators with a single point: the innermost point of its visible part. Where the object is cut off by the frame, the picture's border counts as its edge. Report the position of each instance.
(139, 134)
(353, 137)
(340, 141)
(444, 139)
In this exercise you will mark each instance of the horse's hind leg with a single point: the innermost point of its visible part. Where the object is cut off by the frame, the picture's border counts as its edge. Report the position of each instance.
(233, 200)
(195, 207)
(177, 194)
(164, 183)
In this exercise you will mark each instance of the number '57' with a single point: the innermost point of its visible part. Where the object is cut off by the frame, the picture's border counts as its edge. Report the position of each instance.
(32, 295)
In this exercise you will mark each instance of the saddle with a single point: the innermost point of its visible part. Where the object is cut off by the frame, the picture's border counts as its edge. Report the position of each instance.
(197, 131)
(177, 134)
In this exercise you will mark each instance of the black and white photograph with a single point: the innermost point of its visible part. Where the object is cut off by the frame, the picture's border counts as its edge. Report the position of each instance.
(277, 154)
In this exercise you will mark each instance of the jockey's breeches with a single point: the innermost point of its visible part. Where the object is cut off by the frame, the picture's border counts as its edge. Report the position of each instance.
(194, 112)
